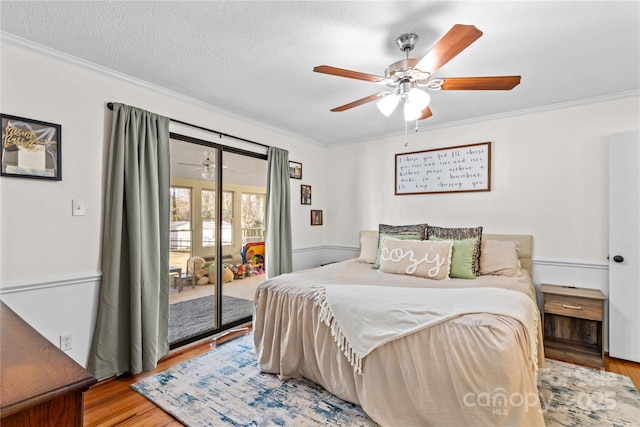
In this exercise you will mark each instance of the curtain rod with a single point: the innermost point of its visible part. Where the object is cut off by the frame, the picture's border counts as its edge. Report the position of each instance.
(110, 107)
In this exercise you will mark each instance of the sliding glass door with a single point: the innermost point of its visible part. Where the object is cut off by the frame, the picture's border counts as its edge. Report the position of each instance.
(244, 181)
(217, 237)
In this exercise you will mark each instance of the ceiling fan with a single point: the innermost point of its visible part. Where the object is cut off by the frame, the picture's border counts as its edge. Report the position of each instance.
(406, 78)
(207, 165)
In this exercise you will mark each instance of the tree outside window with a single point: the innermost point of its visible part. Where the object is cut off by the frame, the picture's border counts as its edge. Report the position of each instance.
(252, 217)
(180, 224)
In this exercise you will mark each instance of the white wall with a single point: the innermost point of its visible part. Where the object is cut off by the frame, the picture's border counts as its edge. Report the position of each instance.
(549, 179)
(49, 259)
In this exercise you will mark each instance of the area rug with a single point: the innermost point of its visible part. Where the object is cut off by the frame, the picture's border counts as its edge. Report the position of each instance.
(225, 388)
(190, 318)
(572, 395)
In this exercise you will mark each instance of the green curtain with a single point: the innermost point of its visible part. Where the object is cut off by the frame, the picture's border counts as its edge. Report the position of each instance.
(278, 216)
(131, 332)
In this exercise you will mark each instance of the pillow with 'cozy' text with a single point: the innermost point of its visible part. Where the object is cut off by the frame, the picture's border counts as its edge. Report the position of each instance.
(420, 258)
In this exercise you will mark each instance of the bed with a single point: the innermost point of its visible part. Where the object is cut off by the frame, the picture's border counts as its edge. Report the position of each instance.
(476, 367)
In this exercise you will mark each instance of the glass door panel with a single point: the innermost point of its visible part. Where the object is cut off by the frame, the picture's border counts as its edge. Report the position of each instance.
(180, 227)
(194, 210)
(208, 218)
(244, 183)
(217, 238)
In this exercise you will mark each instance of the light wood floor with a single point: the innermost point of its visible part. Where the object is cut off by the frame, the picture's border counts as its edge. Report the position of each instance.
(114, 403)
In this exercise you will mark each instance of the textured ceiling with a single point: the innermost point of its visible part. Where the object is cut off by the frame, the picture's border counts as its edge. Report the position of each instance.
(255, 59)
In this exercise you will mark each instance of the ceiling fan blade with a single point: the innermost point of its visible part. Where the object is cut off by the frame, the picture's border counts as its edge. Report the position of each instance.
(480, 83)
(358, 102)
(341, 72)
(426, 113)
(189, 164)
(455, 41)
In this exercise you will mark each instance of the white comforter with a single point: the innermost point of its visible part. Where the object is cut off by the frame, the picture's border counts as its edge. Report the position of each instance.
(363, 318)
(457, 372)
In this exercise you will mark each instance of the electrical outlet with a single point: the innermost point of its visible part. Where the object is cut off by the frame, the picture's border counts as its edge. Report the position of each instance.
(66, 342)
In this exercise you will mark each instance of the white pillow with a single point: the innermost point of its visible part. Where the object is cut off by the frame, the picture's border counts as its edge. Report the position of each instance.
(368, 248)
(421, 258)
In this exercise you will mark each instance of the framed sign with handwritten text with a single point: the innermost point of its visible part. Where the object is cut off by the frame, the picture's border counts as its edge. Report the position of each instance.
(463, 168)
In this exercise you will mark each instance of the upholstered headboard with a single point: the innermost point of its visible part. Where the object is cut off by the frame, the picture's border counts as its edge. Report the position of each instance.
(525, 242)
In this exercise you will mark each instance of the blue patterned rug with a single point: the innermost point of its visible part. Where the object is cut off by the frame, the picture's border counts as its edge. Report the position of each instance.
(225, 388)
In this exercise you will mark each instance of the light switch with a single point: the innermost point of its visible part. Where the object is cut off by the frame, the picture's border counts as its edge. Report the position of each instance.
(78, 207)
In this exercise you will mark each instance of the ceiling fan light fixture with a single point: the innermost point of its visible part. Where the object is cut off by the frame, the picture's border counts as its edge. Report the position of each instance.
(388, 103)
(407, 76)
(411, 112)
(207, 173)
(419, 98)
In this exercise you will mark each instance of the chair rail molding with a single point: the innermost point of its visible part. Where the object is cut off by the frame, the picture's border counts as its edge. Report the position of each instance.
(30, 284)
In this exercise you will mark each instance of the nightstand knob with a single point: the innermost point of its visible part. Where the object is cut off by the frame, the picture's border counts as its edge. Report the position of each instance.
(618, 258)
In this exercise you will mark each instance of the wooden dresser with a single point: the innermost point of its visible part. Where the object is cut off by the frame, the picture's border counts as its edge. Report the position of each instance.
(39, 384)
(573, 321)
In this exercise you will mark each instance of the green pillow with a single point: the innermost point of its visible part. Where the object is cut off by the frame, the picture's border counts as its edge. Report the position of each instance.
(462, 257)
(395, 236)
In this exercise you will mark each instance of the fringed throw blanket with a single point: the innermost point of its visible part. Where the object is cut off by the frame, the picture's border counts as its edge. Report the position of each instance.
(363, 318)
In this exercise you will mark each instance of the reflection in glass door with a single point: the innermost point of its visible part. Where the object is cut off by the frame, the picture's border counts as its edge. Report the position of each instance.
(245, 180)
(193, 304)
(217, 214)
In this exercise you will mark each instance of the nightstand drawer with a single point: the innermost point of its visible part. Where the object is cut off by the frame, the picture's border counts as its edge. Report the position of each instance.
(583, 308)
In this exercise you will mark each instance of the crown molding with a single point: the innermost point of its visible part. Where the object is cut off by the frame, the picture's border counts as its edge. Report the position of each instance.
(70, 59)
(73, 60)
(508, 114)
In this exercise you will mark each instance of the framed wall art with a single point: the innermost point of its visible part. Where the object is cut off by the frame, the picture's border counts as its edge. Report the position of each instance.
(463, 168)
(305, 194)
(30, 148)
(295, 170)
(316, 217)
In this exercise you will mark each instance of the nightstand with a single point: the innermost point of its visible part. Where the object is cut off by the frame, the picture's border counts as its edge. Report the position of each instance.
(573, 320)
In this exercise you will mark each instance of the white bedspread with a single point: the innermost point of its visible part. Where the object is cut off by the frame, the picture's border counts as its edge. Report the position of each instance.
(432, 377)
(363, 318)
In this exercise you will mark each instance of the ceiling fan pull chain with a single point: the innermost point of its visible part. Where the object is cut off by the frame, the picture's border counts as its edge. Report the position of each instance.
(406, 130)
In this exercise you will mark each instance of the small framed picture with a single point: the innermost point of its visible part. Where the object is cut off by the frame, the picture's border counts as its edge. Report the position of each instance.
(295, 170)
(30, 148)
(305, 194)
(316, 217)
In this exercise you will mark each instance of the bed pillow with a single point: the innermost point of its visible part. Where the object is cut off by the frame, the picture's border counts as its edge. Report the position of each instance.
(421, 258)
(462, 257)
(460, 234)
(405, 232)
(500, 258)
(396, 236)
(368, 248)
(418, 230)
